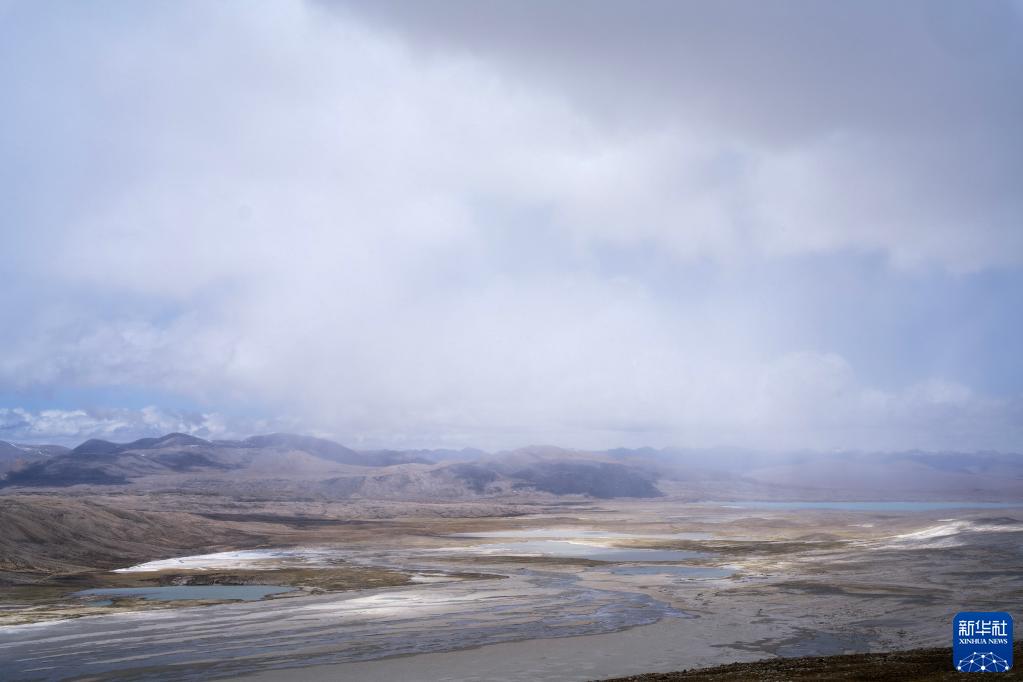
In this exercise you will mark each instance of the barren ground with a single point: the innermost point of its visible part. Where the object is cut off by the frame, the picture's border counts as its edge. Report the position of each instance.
(404, 597)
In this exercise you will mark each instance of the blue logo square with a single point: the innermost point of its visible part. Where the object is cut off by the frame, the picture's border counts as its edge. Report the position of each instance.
(982, 642)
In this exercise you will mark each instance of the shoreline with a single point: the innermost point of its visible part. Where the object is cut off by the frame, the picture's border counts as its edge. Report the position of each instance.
(887, 579)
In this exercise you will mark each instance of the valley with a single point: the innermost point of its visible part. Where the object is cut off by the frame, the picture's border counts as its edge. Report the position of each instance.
(411, 572)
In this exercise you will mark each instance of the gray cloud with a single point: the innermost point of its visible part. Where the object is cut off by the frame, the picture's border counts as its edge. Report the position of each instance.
(869, 125)
(517, 224)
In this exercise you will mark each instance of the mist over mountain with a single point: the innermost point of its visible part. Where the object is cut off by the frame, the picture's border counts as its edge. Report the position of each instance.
(290, 464)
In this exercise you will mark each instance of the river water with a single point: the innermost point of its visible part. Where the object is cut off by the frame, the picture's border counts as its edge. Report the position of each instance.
(240, 637)
(230, 639)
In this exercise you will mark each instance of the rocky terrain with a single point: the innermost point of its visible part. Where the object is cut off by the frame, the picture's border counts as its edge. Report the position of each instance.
(917, 665)
(480, 586)
(16, 456)
(49, 535)
(46, 536)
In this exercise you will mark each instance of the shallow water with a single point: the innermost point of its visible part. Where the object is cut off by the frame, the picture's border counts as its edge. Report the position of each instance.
(232, 639)
(692, 572)
(565, 549)
(243, 636)
(182, 592)
(823, 644)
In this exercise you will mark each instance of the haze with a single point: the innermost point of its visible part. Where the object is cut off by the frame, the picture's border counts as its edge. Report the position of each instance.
(407, 225)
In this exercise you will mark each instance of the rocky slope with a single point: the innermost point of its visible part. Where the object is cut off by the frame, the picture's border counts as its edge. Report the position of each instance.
(918, 665)
(16, 456)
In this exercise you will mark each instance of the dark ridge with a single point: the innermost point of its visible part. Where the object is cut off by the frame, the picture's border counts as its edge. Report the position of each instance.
(475, 476)
(38, 475)
(602, 480)
(95, 446)
(184, 461)
(170, 440)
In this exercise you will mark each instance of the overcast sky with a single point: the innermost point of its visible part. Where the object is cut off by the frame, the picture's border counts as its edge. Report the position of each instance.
(448, 223)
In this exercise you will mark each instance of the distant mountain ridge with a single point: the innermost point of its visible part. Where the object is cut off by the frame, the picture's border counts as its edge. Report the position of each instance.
(326, 449)
(290, 464)
(309, 465)
(16, 455)
(96, 446)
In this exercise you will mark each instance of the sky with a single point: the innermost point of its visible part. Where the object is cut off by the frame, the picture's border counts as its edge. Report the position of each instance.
(777, 225)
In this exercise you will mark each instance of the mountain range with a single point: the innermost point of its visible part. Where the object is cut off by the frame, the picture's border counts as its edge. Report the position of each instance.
(289, 465)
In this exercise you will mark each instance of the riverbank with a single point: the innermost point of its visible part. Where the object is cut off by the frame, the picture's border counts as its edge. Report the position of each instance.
(691, 585)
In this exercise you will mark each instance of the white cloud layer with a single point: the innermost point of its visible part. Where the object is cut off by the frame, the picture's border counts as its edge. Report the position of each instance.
(72, 427)
(385, 231)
